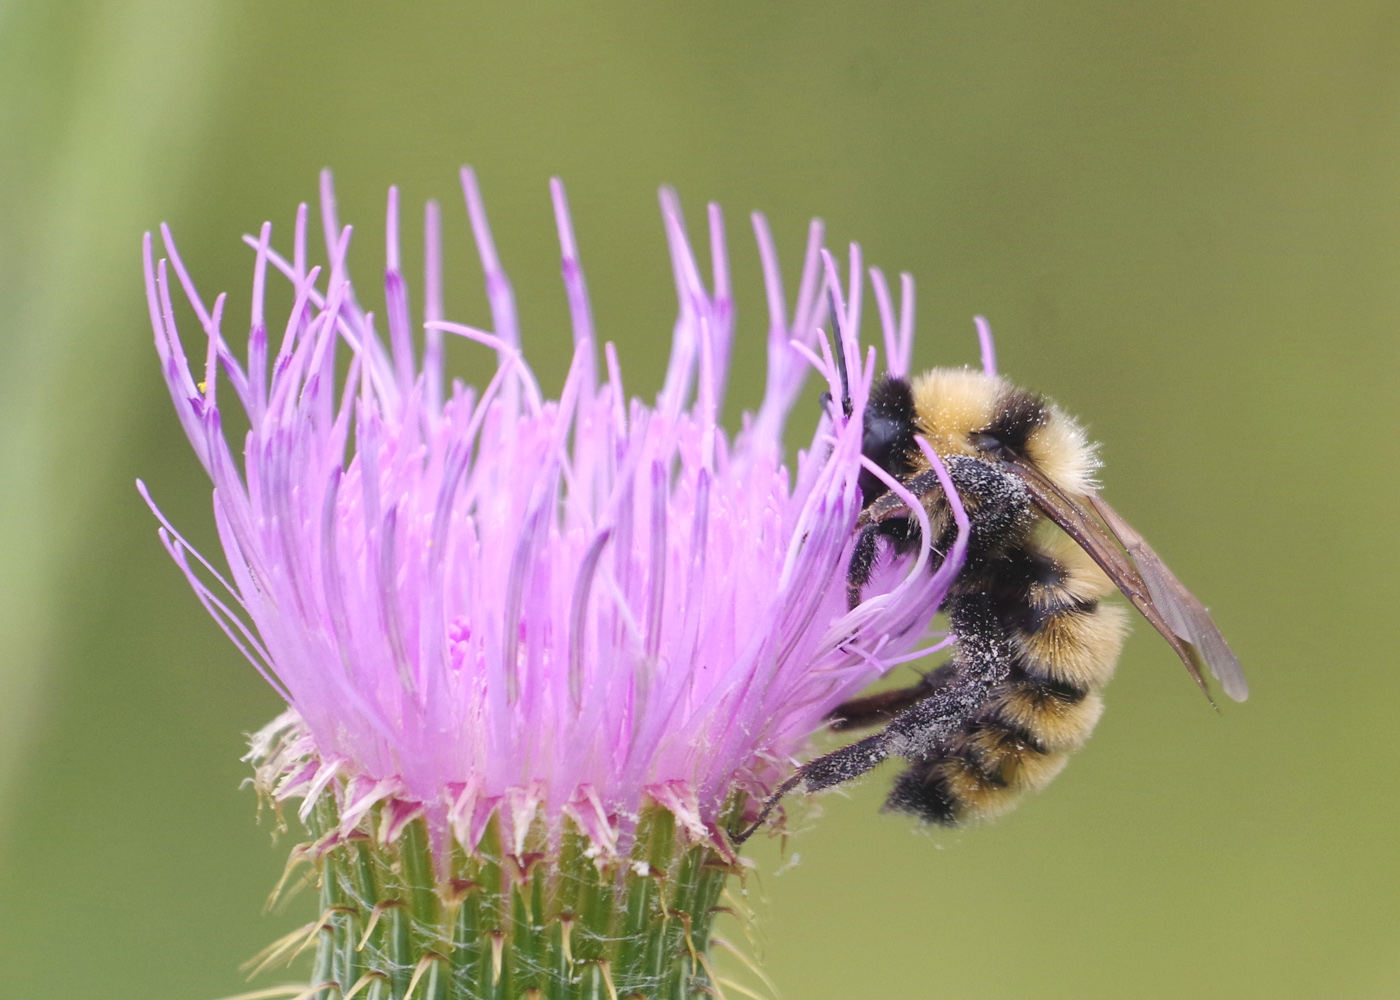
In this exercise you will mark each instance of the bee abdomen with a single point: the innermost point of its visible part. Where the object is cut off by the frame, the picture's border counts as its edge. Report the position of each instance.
(1076, 643)
(1019, 743)
(951, 790)
(1059, 717)
(1066, 645)
(980, 773)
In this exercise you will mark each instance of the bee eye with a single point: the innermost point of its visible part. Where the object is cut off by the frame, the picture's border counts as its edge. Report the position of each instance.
(983, 441)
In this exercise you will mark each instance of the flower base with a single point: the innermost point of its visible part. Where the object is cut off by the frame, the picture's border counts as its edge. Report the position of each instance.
(556, 922)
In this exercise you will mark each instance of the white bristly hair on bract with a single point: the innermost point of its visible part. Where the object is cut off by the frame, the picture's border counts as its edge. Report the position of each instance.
(481, 602)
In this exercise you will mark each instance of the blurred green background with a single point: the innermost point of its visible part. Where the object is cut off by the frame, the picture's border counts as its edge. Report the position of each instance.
(1183, 220)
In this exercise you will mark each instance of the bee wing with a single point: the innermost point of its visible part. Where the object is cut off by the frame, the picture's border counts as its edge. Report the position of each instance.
(1182, 610)
(1144, 579)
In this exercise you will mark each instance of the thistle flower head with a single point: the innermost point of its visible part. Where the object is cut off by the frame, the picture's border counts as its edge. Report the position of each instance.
(481, 603)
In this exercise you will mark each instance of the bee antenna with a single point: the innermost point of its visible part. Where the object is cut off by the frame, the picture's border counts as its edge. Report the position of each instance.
(839, 349)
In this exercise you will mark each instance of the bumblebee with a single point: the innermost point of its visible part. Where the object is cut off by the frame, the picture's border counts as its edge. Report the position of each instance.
(1035, 641)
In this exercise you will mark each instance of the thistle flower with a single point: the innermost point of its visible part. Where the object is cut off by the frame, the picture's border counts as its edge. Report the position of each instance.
(537, 653)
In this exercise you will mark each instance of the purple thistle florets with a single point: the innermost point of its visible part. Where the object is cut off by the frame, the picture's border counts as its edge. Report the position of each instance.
(483, 603)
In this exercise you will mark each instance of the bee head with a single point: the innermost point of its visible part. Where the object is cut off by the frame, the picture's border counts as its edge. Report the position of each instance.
(965, 412)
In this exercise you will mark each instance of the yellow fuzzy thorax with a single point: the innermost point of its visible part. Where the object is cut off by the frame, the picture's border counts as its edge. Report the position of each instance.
(953, 403)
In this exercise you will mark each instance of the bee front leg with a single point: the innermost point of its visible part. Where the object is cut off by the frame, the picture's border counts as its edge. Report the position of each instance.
(903, 536)
(862, 563)
(889, 517)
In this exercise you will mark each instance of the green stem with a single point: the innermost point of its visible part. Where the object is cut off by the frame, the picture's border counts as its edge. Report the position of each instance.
(553, 924)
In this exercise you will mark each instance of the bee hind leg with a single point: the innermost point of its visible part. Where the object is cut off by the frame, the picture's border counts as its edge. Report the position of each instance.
(945, 699)
(823, 772)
